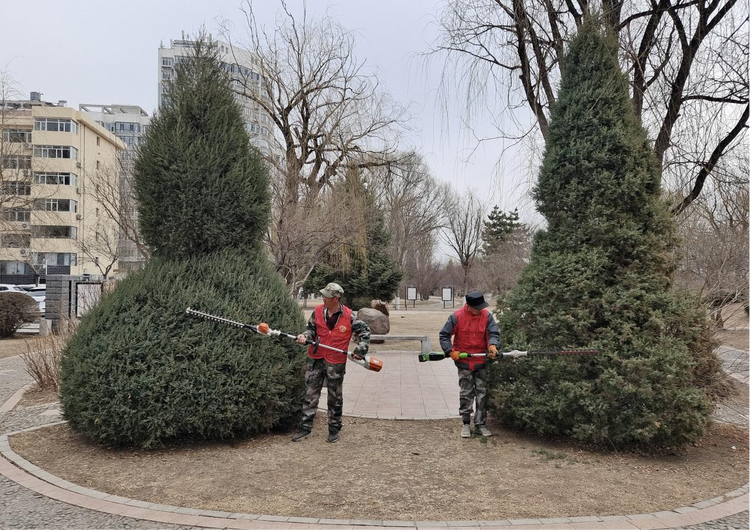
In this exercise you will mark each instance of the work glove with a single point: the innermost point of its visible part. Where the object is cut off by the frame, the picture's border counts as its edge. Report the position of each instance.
(455, 355)
(360, 353)
(492, 352)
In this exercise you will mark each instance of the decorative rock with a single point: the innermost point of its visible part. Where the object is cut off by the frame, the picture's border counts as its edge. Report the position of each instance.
(377, 321)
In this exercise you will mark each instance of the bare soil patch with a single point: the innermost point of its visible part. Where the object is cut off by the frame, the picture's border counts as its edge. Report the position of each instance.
(406, 470)
(733, 338)
(37, 397)
(12, 346)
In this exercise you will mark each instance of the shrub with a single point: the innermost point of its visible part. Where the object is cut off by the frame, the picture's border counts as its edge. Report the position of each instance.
(16, 310)
(139, 371)
(43, 354)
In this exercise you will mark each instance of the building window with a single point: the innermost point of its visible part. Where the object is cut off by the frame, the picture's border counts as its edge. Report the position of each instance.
(57, 205)
(67, 179)
(167, 61)
(16, 188)
(56, 124)
(17, 135)
(54, 232)
(15, 241)
(56, 152)
(16, 162)
(16, 215)
(61, 259)
(97, 141)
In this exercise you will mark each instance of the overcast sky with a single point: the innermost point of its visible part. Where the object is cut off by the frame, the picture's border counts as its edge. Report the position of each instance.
(104, 52)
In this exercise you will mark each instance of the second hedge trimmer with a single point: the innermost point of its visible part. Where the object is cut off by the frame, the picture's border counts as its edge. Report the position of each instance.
(368, 362)
(438, 356)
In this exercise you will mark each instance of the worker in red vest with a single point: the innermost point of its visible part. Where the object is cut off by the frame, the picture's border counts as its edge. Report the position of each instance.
(334, 324)
(475, 331)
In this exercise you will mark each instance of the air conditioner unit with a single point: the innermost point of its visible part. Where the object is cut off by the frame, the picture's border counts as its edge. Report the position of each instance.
(24, 252)
(78, 164)
(78, 190)
(78, 216)
(24, 225)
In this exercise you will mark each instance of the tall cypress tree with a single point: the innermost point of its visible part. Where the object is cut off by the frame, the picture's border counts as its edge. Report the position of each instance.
(600, 276)
(139, 371)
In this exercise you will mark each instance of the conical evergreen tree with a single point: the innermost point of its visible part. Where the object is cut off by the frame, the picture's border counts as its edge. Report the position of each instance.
(600, 276)
(200, 185)
(139, 371)
(498, 229)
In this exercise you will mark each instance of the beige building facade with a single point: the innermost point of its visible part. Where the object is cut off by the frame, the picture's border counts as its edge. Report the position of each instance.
(54, 159)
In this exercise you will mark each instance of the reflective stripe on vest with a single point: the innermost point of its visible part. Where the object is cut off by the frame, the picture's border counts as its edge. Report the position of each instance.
(339, 337)
(470, 335)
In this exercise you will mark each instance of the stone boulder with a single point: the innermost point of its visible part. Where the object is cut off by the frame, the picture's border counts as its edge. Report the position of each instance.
(377, 321)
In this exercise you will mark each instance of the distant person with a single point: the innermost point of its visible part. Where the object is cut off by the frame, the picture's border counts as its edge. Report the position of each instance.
(334, 324)
(474, 330)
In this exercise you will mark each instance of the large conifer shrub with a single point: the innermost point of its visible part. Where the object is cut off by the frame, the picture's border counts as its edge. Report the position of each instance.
(600, 277)
(139, 371)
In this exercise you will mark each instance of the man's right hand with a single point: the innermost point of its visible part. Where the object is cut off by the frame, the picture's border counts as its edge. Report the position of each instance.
(301, 339)
(455, 355)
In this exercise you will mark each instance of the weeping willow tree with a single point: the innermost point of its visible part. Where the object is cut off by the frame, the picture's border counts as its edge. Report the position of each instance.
(360, 262)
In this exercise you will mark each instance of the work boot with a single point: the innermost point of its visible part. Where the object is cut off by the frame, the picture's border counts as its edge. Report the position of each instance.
(300, 434)
(466, 431)
(333, 436)
(481, 430)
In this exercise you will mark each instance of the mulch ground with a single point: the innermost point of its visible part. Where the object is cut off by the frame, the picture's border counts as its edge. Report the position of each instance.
(405, 470)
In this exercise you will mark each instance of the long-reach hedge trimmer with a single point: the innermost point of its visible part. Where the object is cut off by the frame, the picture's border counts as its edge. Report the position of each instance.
(438, 356)
(368, 362)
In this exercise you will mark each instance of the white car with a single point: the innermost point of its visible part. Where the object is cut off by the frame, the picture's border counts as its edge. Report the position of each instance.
(38, 293)
(11, 287)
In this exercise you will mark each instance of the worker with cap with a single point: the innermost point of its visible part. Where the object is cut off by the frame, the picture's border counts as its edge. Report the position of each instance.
(474, 330)
(333, 324)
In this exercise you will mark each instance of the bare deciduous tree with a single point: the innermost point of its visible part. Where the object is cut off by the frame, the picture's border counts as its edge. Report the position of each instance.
(415, 204)
(327, 114)
(463, 232)
(687, 62)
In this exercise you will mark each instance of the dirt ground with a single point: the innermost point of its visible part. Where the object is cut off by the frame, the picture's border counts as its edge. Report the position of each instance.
(13, 346)
(412, 470)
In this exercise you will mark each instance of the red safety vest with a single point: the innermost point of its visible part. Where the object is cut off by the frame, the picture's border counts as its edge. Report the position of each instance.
(339, 337)
(470, 335)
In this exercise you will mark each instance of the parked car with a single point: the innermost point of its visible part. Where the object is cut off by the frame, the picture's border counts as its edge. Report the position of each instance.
(11, 287)
(38, 293)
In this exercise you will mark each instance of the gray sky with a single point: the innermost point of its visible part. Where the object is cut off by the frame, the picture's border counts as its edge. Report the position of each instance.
(105, 52)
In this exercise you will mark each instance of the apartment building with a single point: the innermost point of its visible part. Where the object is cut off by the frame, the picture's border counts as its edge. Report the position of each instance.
(129, 123)
(243, 70)
(54, 160)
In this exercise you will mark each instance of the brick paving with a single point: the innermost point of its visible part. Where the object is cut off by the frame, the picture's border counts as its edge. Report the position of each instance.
(46, 502)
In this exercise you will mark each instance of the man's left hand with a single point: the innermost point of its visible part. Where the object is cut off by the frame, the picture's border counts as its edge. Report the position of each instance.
(492, 352)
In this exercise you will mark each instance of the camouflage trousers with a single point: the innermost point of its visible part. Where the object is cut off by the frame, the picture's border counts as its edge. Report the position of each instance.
(473, 385)
(319, 371)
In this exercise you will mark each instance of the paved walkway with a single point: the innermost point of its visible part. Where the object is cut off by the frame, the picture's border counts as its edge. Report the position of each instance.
(31, 498)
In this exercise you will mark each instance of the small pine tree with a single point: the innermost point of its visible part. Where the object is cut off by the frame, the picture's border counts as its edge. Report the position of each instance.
(139, 371)
(600, 277)
(498, 228)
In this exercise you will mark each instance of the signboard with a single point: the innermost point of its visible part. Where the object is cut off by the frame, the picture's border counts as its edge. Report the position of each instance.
(448, 295)
(411, 295)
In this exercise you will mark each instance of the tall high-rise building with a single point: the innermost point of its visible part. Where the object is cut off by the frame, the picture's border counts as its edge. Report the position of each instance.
(53, 160)
(129, 123)
(242, 68)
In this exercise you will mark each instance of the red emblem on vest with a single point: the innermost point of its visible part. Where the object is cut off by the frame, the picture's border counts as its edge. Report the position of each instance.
(342, 328)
